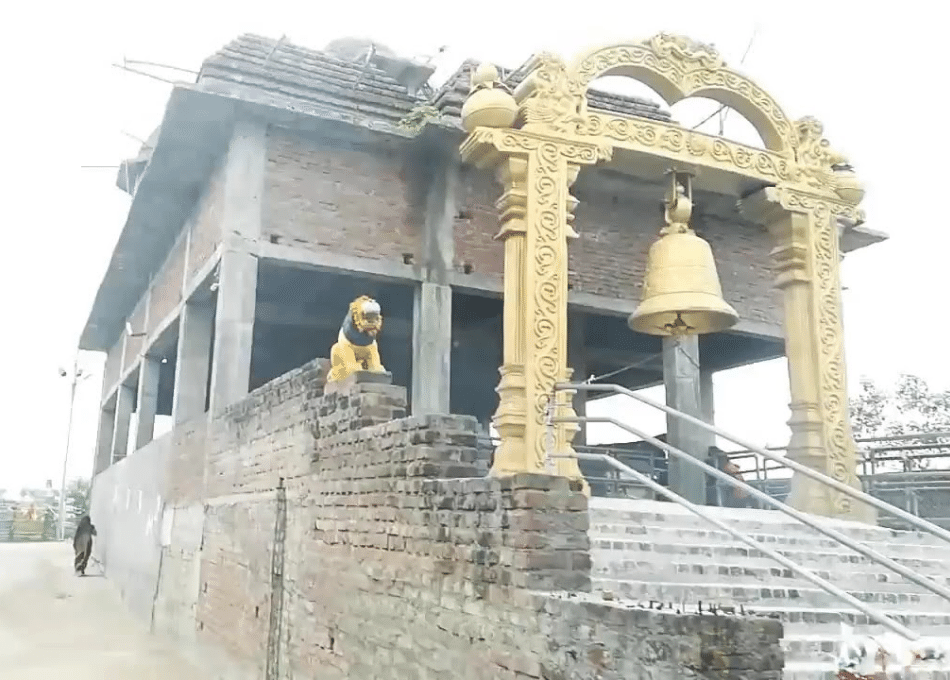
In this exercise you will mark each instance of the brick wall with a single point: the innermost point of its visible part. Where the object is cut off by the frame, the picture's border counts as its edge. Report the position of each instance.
(333, 196)
(401, 563)
(166, 288)
(186, 482)
(398, 560)
(476, 224)
(206, 229)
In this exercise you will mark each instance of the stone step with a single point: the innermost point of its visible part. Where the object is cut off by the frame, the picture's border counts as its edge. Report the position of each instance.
(643, 512)
(810, 647)
(826, 671)
(762, 597)
(607, 548)
(615, 527)
(827, 620)
(775, 574)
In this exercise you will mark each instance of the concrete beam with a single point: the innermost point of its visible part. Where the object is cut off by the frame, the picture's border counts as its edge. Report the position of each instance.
(287, 315)
(124, 397)
(431, 349)
(682, 381)
(147, 401)
(337, 263)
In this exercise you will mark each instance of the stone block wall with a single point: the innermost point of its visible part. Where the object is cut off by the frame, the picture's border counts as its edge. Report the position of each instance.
(390, 558)
(126, 507)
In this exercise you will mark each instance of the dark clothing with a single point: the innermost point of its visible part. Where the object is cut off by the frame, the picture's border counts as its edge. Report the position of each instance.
(82, 545)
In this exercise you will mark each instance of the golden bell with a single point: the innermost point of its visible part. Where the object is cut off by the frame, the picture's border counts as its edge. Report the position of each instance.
(681, 290)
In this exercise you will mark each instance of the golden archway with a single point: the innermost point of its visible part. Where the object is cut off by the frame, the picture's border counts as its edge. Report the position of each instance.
(796, 186)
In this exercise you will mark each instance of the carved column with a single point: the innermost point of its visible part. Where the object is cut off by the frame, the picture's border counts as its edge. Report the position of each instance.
(536, 172)
(806, 256)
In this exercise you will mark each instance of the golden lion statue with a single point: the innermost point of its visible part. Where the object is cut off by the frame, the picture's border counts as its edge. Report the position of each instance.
(356, 348)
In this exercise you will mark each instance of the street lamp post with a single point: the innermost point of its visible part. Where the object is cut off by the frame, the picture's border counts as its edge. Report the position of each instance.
(77, 375)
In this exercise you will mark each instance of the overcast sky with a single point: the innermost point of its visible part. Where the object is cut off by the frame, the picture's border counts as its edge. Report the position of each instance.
(865, 73)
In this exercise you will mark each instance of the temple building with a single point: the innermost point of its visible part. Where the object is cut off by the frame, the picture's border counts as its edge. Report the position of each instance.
(285, 182)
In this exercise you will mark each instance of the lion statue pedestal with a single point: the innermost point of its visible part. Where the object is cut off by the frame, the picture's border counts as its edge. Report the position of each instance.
(356, 349)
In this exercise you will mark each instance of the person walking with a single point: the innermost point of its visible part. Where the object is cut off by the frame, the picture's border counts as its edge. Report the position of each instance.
(82, 544)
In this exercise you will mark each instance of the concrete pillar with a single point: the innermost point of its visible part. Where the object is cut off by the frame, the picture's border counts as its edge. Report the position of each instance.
(124, 397)
(577, 360)
(431, 348)
(432, 309)
(147, 401)
(233, 329)
(707, 398)
(681, 376)
(237, 273)
(104, 439)
(194, 359)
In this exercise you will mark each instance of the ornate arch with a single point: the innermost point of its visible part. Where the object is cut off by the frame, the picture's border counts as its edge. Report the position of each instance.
(678, 67)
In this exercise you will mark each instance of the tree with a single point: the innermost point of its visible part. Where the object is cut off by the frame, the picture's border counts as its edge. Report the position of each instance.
(77, 499)
(909, 407)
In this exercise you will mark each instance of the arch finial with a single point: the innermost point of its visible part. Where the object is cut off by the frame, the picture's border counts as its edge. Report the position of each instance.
(686, 50)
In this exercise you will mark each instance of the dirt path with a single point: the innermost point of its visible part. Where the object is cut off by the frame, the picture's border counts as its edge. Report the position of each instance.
(55, 625)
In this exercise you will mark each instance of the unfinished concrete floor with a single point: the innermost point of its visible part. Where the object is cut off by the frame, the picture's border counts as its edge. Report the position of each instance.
(55, 625)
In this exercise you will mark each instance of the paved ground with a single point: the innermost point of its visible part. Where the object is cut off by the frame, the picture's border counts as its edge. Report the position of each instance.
(55, 625)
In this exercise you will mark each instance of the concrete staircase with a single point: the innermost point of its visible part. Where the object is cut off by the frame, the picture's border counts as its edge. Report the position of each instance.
(647, 550)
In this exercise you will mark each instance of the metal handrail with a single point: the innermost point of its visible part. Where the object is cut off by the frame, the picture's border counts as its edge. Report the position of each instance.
(797, 467)
(827, 586)
(802, 517)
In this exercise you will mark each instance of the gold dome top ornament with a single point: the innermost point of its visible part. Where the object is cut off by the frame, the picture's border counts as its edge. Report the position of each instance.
(489, 103)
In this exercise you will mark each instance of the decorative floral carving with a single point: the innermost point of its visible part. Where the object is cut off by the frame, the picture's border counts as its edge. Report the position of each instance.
(688, 145)
(547, 257)
(817, 162)
(681, 48)
(557, 101)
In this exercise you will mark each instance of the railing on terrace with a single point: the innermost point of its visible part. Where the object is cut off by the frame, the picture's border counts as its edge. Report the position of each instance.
(911, 472)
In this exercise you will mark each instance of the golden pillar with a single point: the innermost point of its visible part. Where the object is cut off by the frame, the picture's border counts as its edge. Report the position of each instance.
(806, 256)
(536, 171)
(537, 140)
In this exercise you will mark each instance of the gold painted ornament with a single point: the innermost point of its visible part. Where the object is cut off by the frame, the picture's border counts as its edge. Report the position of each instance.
(681, 290)
(490, 104)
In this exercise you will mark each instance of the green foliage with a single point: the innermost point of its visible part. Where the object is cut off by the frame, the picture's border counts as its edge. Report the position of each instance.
(910, 406)
(417, 118)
